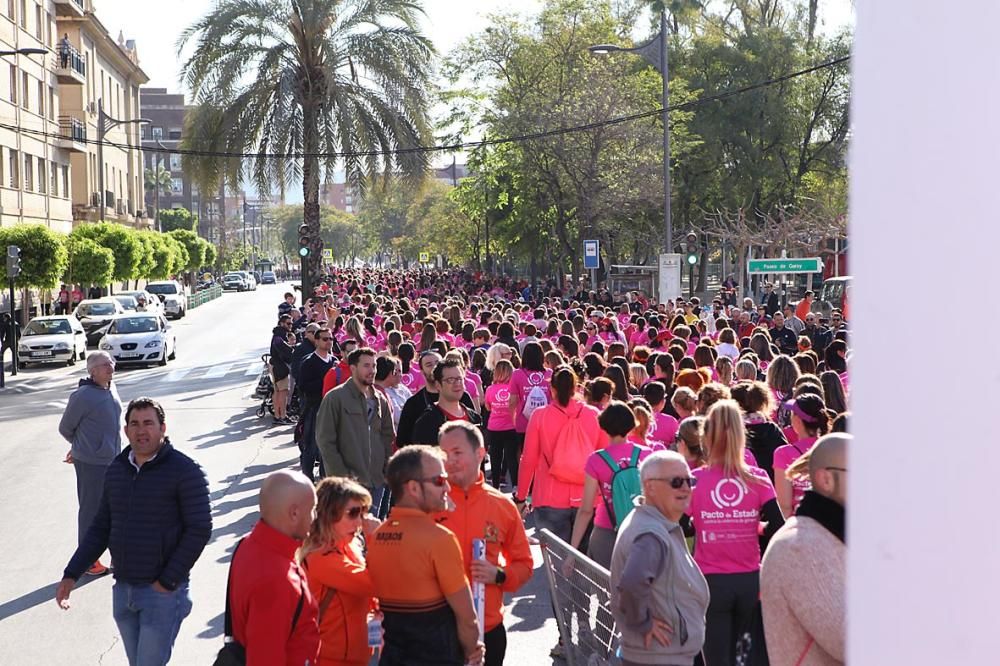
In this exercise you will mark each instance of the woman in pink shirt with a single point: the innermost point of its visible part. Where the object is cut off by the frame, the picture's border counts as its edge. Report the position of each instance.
(500, 433)
(664, 425)
(410, 375)
(532, 373)
(809, 421)
(728, 505)
(555, 500)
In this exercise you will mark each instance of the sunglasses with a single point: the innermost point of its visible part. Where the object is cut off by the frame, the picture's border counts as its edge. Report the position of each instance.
(355, 512)
(324, 339)
(438, 480)
(677, 482)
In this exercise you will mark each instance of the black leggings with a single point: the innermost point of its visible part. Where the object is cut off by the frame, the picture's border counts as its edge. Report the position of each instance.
(730, 610)
(504, 455)
(496, 646)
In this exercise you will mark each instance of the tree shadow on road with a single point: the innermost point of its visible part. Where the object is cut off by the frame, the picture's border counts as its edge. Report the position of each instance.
(42, 595)
(237, 428)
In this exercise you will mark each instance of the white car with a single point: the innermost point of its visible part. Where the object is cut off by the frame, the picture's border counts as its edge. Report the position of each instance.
(140, 338)
(250, 279)
(172, 296)
(52, 340)
(153, 304)
(95, 315)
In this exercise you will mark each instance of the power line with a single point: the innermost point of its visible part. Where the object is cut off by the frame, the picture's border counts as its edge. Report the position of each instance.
(463, 146)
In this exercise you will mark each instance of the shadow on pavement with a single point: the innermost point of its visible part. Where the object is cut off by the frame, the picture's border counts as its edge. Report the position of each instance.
(42, 595)
(237, 428)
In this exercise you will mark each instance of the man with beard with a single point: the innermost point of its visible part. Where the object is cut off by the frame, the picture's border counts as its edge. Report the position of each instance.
(423, 399)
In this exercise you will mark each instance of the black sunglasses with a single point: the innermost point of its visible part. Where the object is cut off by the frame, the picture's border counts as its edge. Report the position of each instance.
(438, 480)
(324, 339)
(677, 482)
(355, 512)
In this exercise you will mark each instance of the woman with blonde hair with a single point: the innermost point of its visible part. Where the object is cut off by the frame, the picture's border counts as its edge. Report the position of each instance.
(746, 369)
(690, 434)
(724, 370)
(338, 577)
(710, 394)
(637, 375)
(728, 504)
(685, 402)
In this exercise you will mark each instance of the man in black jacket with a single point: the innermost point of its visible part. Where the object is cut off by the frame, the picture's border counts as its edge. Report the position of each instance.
(423, 399)
(311, 373)
(156, 518)
(302, 349)
(450, 377)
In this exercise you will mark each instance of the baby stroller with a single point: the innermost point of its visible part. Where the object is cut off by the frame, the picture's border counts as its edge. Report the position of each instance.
(265, 389)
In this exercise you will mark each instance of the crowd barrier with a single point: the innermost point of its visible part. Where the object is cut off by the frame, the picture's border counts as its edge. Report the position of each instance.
(581, 601)
(204, 296)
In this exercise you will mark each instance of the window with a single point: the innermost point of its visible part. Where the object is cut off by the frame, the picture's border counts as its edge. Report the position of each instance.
(29, 174)
(24, 14)
(11, 9)
(24, 90)
(54, 182)
(174, 134)
(39, 24)
(42, 180)
(52, 103)
(157, 132)
(13, 84)
(65, 180)
(12, 163)
(142, 132)
(175, 162)
(177, 185)
(41, 99)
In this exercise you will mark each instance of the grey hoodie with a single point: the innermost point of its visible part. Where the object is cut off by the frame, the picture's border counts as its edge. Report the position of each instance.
(92, 423)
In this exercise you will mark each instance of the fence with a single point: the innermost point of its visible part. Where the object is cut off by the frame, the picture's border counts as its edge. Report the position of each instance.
(582, 602)
(204, 296)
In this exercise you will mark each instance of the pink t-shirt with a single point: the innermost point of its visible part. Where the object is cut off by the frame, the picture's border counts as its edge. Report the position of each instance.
(725, 512)
(497, 401)
(598, 469)
(665, 429)
(521, 383)
(784, 456)
(413, 380)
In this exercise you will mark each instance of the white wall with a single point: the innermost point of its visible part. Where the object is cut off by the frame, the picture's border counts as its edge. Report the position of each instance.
(923, 521)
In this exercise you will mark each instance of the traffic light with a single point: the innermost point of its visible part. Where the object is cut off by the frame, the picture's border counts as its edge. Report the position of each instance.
(13, 262)
(304, 241)
(692, 249)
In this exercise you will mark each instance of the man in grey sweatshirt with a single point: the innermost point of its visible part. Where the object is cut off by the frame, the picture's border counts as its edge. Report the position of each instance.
(92, 424)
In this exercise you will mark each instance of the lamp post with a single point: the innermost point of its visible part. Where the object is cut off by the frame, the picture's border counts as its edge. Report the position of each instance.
(655, 52)
(105, 123)
(25, 52)
(156, 180)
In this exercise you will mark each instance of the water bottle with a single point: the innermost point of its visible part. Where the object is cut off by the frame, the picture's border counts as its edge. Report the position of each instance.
(479, 589)
(374, 632)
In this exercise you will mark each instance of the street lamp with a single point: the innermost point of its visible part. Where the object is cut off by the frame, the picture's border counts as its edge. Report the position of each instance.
(25, 52)
(156, 180)
(105, 123)
(655, 52)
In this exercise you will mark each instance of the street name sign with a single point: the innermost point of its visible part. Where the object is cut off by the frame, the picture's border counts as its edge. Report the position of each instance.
(806, 265)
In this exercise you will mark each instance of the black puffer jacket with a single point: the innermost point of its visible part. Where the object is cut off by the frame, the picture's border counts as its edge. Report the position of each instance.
(281, 353)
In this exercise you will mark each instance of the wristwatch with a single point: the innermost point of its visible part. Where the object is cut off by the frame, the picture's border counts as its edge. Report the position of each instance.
(501, 576)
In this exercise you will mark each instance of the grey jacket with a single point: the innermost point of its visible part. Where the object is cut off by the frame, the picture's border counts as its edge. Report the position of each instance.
(654, 576)
(351, 445)
(92, 423)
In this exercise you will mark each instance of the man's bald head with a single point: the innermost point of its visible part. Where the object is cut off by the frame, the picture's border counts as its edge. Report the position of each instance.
(287, 500)
(828, 466)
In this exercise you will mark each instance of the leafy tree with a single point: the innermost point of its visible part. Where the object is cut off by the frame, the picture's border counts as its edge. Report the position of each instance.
(159, 176)
(122, 242)
(43, 255)
(89, 263)
(177, 218)
(179, 256)
(162, 258)
(194, 246)
(341, 232)
(211, 255)
(311, 77)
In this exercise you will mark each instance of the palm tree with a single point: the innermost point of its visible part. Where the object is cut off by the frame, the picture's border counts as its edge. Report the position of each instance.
(312, 78)
(159, 177)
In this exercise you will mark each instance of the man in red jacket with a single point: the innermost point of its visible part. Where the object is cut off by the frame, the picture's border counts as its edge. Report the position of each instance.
(341, 371)
(482, 512)
(273, 612)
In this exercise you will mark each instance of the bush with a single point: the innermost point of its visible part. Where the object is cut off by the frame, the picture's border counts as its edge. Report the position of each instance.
(89, 263)
(43, 255)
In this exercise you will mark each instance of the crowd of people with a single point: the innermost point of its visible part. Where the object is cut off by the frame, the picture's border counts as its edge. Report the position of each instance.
(695, 450)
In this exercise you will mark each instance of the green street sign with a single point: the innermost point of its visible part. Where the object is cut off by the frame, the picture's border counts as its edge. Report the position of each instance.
(806, 265)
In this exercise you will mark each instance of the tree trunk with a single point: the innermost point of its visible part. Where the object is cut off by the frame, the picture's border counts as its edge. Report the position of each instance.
(311, 265)
(222, 214)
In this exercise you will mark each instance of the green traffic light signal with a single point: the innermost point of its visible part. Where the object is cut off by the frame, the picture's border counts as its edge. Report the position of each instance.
(692, 258)
(303, 252)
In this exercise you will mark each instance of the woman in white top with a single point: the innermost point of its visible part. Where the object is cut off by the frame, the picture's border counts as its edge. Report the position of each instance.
(727, 344)
(387, 379)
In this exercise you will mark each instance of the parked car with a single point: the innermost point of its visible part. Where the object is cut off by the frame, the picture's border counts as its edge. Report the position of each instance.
(140, 338)
(95, 315)
(59, 339)
(234, 281)
(128, 302)
(172, 295)
(153, 304)
(250, 279)
(268, 277)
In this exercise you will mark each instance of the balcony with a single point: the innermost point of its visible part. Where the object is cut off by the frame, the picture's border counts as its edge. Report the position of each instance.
(69, 65)
(73, 8)
(72, 134)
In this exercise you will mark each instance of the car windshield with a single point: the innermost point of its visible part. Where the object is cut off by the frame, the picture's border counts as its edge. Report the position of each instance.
(127, 302)
(232, 278)
(134, 325)
(89, 309)
(160, 289)
(47, 327)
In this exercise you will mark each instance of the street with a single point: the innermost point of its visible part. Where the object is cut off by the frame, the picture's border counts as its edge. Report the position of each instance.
(210, 416)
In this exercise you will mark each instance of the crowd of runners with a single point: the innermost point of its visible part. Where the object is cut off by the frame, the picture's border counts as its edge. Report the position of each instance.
(456, 407)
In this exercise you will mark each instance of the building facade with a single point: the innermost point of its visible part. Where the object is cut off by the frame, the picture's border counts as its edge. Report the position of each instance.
(99, 79)
(35, 155)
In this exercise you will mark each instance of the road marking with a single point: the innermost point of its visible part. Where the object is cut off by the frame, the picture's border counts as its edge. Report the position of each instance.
(254, 369)
(61, 404)
(218, 371)
(177, 375)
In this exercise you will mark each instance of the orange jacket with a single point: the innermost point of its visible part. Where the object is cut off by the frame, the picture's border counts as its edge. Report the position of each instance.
(343, 630)
(485, 513)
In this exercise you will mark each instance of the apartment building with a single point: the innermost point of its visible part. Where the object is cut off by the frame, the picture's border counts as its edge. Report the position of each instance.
(99, 79)
(35, 153)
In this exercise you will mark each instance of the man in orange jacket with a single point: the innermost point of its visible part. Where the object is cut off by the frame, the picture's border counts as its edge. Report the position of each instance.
(482, 512)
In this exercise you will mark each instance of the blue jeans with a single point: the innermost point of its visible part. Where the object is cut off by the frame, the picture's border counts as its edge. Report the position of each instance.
(148, 621)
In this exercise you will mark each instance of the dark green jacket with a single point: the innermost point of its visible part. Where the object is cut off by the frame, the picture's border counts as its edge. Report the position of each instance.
(351, 445)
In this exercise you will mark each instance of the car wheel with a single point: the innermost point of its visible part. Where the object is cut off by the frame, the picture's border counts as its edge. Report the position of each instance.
(163, 355)
(173, 351)
(72, 359)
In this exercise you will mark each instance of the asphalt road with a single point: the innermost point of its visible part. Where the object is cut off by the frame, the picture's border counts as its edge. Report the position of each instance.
(211, 416)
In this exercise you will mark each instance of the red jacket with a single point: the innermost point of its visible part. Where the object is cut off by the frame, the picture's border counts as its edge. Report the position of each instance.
(265, 589)
(336, 376)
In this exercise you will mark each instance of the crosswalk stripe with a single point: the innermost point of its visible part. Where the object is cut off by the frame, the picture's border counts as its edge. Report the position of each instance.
(217, 371)
(177, 375)
(254, 369)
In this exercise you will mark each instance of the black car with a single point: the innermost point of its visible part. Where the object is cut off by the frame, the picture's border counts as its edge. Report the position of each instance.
(96, 315)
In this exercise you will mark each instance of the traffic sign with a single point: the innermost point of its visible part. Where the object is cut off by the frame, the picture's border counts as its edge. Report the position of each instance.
(670, 277)
(328, 254)
(591, 254)
(806, 265)
(425, 257)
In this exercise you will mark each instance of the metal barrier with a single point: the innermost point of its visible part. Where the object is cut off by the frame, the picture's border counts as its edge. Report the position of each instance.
(581, 602)
(204, 296)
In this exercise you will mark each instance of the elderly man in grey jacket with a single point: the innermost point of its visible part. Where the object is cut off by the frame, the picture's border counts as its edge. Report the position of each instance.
(92, 424)
(658, 595)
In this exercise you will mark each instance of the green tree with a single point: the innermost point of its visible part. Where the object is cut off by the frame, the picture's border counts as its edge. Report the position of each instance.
(122, 242)
(177, 218)
(43, 255)
(159, 176)
(179, 256)
(211, 255)
(89, 263)
(161, 263)
(312, 77)
(194, 246)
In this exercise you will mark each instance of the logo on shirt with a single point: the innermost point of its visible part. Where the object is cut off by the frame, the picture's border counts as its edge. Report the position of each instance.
(503, 395)
(535, 378)
(728, 493)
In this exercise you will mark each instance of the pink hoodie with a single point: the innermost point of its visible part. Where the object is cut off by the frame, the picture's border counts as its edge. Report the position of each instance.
(539, 442)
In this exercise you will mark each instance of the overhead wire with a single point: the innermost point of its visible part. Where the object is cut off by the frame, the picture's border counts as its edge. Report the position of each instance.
(461, 146)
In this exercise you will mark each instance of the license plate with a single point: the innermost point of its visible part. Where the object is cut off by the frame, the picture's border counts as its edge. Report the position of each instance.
(130, 355)
(41, 353)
